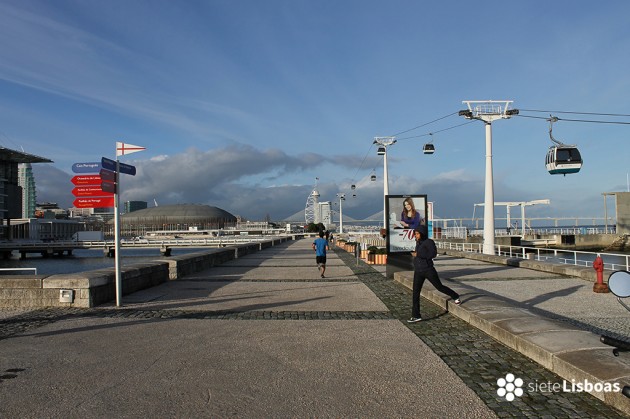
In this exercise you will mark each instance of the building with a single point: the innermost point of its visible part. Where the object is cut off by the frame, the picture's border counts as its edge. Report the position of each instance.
(105, 214)
(26, 180)
(623, 212)
(178, 217)
(324, 214)
(45, 228)
(131, 206)
(10, 190)
(80, 212)
(50, 210)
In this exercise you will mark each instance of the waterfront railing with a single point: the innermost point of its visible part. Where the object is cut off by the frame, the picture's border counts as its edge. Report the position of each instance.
(612, 261)
(31, 271)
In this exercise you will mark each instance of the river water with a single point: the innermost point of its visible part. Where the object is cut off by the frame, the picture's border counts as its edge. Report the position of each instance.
(611, 261)
(87, 260)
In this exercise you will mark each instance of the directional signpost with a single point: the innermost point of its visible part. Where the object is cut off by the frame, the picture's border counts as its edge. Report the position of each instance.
(83, 180)
(98, 202)
(92, 167)
(98, 186)
(109, 164)
(90, 190)
(89, 185)
(108, 187)
(107, 175)
(108, 181)
(112, 184)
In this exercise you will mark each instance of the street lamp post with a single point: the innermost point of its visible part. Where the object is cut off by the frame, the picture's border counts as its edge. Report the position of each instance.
(342, 197)
(488, 111)
(383, 143)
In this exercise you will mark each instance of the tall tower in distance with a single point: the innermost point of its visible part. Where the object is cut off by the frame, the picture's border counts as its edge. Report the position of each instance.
(29, 194)
(311, 211)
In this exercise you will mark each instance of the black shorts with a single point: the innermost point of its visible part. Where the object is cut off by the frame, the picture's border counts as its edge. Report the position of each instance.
(320, 260)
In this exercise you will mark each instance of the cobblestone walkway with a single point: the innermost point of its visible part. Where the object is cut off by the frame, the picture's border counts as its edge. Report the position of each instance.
(478, 359)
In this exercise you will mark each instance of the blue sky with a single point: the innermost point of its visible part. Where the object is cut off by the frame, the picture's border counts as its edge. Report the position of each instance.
(242, 104)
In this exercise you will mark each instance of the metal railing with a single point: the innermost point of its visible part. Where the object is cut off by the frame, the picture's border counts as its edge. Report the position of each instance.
(612, 261)
(214, 241)
(463, 232)
(32, 270)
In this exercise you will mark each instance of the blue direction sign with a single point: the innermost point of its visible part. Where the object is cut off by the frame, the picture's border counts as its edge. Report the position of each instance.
(110, 164)
(108, 187)
(107, 175)
(91, 167)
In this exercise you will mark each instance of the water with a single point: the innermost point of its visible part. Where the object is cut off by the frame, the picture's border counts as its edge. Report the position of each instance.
(613, 262)
(87, 260)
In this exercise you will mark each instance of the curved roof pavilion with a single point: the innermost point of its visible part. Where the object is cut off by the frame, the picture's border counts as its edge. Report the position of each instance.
(168, 216)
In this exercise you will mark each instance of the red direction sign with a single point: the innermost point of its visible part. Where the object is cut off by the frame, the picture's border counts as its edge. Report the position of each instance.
(90, 190)
(83, 180)
(93, 202)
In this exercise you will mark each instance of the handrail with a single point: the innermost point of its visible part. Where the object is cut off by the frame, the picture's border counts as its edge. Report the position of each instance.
(34, 270)
(577, 258)
(212, 241)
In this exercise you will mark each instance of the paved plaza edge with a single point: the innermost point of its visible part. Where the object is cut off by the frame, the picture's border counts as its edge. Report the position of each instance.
(475, 357)
(574, 354)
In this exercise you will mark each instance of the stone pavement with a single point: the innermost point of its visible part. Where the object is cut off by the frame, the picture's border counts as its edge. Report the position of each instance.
(265, 336)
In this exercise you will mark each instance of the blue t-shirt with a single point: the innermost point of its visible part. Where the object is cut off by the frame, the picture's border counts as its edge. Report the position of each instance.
(320, 246)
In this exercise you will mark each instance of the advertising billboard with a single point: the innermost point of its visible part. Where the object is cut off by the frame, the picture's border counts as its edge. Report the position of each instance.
(405, 213)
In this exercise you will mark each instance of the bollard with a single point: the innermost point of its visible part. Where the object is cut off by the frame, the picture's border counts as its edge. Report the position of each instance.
(598, 265)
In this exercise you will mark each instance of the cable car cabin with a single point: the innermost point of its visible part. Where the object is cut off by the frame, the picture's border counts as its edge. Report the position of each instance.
(428, 149)
(381, 151)
(373, 178)
(563, 159)
(354, 187)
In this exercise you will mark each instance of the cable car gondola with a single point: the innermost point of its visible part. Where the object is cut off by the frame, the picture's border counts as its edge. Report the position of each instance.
(373, 176)
(354, 187)
(381, 151)
(428, 148)
(562, 158)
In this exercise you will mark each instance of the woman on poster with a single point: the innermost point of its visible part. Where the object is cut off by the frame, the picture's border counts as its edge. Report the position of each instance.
(410, 218)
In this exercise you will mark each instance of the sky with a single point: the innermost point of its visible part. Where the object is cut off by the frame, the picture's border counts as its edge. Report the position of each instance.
(247, 105)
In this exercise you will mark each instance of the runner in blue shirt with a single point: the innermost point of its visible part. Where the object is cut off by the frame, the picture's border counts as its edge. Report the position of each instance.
(320, 246)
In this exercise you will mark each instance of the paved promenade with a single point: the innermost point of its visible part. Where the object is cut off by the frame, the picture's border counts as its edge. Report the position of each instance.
(265, 336)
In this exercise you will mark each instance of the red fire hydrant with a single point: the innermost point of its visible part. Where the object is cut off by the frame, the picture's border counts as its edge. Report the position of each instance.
(598, 265)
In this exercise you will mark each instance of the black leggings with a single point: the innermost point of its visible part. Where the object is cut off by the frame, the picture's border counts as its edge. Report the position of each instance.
(418, 280)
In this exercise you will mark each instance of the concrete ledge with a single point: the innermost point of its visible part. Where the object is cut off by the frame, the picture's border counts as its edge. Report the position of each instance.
(575, 355)
(21, 281)
(92, 288)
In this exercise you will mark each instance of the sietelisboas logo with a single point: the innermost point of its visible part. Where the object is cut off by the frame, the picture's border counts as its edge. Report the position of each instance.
(510, 387)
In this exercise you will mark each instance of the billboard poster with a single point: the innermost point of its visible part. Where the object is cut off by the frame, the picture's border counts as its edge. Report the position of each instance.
(405, 213)
(430, 219)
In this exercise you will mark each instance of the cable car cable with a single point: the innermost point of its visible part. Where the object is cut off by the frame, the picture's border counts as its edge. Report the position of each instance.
(577, 113)
(435, 132)
(420, 126)
(577, 120)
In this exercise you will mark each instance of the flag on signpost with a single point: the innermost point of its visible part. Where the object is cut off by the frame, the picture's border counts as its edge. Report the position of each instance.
(123, 148)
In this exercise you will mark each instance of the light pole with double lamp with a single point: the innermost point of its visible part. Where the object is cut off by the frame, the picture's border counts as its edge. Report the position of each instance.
(342, 197)
(383, 143)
